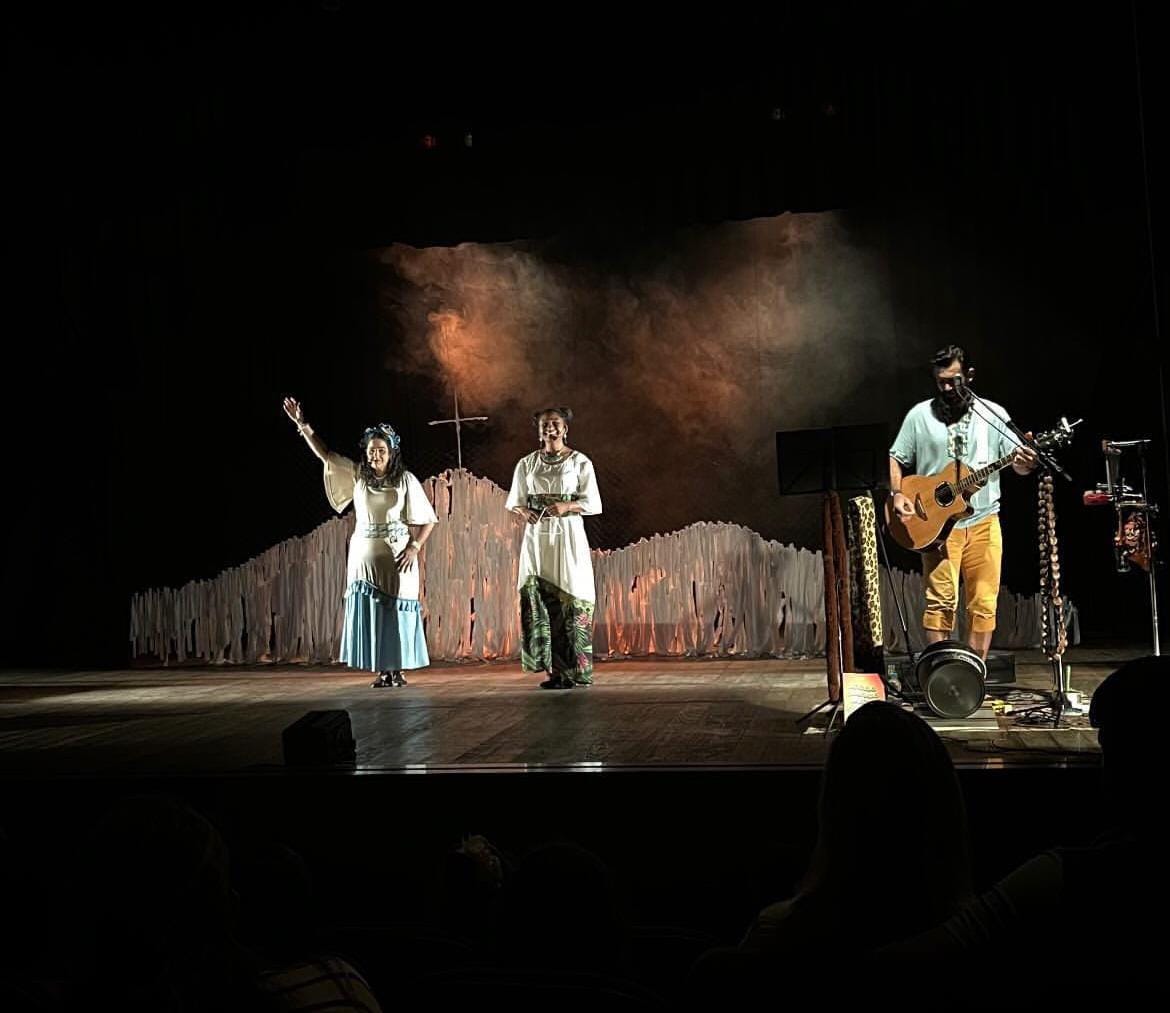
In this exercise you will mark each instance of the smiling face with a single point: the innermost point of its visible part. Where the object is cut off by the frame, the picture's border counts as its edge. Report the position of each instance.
(378, 455)
(551, 427)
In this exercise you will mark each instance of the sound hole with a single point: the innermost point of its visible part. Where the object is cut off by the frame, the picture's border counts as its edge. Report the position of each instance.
(944, 495)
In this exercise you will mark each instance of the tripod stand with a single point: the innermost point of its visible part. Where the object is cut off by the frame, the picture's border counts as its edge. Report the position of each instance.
(1053, 634)
(828, 461)
(1134, 543)
(838, 646)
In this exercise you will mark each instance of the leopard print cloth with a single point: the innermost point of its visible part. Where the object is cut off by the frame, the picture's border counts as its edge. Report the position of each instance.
(864, 579)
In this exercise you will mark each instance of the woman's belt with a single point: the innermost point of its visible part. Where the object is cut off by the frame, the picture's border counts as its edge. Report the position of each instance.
(539, 500)
(393, 530)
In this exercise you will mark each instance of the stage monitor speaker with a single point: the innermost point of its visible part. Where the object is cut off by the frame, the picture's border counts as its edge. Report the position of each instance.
(320, 739)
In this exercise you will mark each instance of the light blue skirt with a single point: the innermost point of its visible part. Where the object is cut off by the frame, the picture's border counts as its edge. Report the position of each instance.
(382, 634)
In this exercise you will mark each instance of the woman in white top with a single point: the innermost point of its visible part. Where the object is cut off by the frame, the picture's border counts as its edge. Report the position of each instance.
(552, 488)
(383, 629)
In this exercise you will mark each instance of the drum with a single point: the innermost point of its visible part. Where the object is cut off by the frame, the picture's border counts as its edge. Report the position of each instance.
(949, 678)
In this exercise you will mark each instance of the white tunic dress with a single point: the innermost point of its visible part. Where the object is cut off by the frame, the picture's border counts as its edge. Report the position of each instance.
(556, 548)
(381, 531)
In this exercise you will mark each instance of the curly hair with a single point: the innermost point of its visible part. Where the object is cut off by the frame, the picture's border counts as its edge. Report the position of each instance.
(948, 354)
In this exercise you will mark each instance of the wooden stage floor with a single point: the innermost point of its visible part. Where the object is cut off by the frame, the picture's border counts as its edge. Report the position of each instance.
(640, 714)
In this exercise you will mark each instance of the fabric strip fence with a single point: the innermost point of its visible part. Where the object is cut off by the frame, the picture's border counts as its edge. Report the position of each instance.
(711, 590)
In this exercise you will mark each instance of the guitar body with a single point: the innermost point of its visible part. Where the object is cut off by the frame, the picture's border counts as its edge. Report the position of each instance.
(937, 506)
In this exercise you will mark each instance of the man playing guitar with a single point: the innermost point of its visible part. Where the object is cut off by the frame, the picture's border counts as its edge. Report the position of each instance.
(938, 434)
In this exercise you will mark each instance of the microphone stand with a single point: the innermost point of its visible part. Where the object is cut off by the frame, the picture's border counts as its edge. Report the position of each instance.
(1120, 496)
(1046, 459)
(1057, 699)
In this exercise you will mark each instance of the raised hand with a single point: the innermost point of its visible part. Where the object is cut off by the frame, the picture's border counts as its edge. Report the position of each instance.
(293, 409)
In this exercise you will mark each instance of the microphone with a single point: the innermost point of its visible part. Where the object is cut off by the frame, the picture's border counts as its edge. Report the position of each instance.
(961, 382)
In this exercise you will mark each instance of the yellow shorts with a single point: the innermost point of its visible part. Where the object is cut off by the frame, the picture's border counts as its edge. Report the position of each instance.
(975, 554)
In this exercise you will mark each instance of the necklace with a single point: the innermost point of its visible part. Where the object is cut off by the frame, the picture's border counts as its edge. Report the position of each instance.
(555, 457)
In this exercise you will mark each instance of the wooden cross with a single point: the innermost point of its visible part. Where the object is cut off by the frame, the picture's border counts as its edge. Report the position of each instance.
(457, 422)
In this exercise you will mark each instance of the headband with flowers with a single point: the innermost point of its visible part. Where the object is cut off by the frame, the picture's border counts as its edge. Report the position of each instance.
(382, 431)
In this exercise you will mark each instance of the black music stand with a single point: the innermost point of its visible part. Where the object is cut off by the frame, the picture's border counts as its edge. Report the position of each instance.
(835, 459)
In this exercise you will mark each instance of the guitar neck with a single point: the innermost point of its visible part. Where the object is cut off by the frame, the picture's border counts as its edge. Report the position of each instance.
(980, 475)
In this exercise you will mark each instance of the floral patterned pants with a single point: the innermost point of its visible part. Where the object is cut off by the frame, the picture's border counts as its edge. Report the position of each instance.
(556, 632)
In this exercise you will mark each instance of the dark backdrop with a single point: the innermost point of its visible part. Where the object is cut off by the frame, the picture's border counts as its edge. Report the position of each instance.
(199, 195)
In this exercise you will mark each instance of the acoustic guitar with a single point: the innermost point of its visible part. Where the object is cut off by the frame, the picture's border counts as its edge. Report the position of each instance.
(941, 500)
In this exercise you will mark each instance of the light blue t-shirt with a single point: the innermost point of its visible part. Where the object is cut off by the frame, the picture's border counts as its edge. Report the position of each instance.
(929, 445)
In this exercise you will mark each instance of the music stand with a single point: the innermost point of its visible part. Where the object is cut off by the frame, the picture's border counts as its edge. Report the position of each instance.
(837, 459)
(834, 459)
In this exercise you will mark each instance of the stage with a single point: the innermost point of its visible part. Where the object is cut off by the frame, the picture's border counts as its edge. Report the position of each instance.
(661, 713)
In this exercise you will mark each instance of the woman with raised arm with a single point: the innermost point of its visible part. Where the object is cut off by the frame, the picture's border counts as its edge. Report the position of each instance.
(383, 630)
